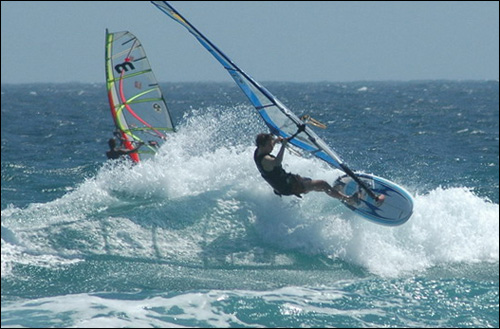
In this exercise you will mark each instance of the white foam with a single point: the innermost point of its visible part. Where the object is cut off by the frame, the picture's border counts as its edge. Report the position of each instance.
(205, 176)
(448, 227)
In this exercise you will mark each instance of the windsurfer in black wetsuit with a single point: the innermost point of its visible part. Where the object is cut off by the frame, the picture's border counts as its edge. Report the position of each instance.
(116, 153)
(285, 183)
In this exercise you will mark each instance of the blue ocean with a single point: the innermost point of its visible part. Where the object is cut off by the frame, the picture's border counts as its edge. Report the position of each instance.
(196, 238)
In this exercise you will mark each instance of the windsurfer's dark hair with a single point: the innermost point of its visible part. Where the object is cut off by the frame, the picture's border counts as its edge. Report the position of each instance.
(262, 139)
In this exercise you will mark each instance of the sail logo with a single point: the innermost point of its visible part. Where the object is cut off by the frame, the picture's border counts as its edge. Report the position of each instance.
(124, 67)
(157, 107)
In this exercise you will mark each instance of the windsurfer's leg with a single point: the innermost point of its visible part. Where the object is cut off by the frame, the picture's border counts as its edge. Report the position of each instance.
(323, 186)
(318, 185)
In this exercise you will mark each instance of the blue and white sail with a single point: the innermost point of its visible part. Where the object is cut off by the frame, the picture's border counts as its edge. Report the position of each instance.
(280, 120)
(283, 122)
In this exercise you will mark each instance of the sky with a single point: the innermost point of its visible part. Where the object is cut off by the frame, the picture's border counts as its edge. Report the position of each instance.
(295, 41)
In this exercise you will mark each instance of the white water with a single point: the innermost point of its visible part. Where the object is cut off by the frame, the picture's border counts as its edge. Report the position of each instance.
(194, 195)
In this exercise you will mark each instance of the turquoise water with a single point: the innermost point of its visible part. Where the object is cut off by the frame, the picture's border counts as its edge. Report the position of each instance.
(196, 238)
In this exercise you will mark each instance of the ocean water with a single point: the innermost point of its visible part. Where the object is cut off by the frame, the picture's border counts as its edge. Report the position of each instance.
(195, 237)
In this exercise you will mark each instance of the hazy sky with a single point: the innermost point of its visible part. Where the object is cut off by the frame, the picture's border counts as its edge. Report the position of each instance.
(49, 41)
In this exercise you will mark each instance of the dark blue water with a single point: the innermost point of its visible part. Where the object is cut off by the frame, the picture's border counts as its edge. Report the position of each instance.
(196, 238)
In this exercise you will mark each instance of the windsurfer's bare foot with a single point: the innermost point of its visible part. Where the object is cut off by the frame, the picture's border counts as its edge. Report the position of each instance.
(379, 199)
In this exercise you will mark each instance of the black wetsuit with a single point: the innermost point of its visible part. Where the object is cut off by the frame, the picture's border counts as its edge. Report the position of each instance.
(116, 154)
(282, 182)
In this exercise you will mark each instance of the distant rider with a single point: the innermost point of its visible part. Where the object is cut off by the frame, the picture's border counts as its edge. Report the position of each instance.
(116, 153)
